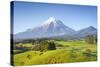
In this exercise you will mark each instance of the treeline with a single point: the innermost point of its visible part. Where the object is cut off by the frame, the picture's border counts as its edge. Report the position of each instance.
(37, 45)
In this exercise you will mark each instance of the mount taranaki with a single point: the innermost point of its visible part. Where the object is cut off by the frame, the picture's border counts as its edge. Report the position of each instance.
(53, 28)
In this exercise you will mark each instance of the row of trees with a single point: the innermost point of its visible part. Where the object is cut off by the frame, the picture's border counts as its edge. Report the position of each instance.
(37, 45)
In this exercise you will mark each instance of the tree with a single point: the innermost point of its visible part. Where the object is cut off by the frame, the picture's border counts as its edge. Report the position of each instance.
(90, 39)
(40, 46)
(51, 46)
(44, 46)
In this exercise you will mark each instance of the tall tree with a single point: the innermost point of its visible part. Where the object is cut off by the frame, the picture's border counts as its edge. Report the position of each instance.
(90, 39)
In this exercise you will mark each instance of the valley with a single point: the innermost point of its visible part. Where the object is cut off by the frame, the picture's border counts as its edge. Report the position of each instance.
(65, 52)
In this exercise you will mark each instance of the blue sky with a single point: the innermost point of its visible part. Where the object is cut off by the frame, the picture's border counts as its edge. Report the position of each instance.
(29, 15)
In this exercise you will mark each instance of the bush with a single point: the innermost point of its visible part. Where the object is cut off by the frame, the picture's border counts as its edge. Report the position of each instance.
(29, 56)
(59, 45)
(87, 52)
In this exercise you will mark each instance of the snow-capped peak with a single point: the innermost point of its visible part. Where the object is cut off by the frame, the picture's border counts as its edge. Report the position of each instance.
(50, 20)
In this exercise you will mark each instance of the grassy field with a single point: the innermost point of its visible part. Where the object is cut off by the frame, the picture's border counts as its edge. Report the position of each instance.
(66, 52)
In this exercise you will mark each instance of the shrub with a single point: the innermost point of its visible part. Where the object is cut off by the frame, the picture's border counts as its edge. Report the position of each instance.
(29, 56)
(59, 45)
(41, 53)
(87, 52)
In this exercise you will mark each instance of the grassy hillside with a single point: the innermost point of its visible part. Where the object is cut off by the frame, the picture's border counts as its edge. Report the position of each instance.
(67, 51)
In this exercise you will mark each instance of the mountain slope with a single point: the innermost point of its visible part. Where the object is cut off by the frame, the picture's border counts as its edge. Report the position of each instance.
(81, 33)
(50, 28)
(87, 31)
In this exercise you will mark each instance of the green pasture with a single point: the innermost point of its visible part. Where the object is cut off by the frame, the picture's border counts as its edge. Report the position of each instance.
(67, 52)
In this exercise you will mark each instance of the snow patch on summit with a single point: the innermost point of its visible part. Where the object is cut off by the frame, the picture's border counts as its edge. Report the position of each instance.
(50, 20)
